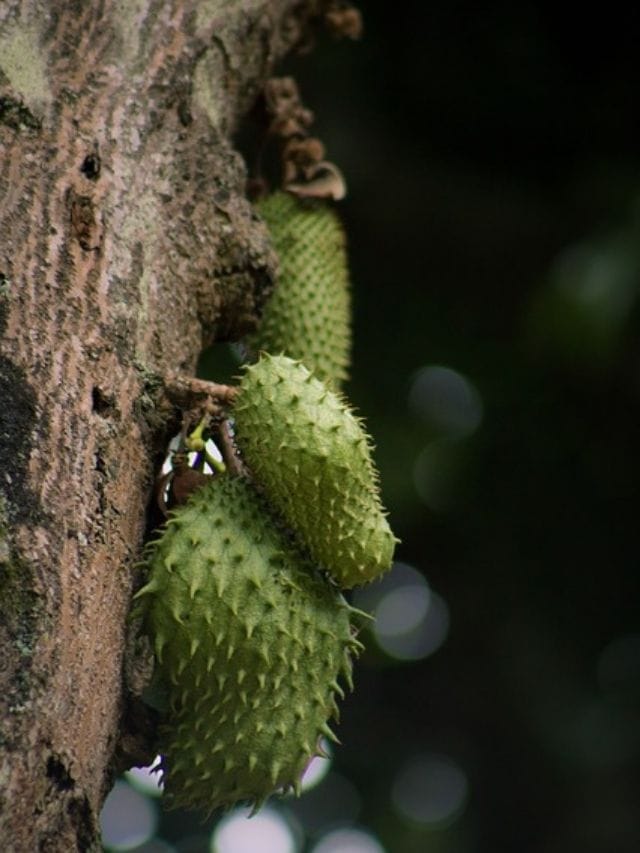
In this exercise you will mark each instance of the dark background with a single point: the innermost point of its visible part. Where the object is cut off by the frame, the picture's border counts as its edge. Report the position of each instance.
(492, 153)
(492, 157)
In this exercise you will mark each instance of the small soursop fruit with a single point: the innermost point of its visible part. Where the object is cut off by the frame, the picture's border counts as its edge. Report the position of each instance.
(308, 317)
(250, 642)
(312, 458)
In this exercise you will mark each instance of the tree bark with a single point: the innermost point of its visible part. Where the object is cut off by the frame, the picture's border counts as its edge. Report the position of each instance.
(126, 245)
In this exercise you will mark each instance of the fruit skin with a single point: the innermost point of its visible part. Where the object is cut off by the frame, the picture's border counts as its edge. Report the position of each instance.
(308, 317)
(312, 458)
(250, 642)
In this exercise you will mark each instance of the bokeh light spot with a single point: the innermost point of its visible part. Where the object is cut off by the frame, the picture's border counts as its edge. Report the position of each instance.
(422, 638)
(402, 610)
(401, 574)
(267, 832)
(430, 789)
(600, 278)
(411, 621)
(348, 840)
(145, 780)
(128, 818)
(317, 768)
(446, 400)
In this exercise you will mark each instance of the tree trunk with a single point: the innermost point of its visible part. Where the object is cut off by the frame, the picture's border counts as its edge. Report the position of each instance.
(126, 245)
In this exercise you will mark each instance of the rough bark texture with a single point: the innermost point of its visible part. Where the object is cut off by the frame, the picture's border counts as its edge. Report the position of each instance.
(126, 245)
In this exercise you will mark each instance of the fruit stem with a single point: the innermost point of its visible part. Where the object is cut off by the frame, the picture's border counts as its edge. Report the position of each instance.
(195, 442)
(227, 447)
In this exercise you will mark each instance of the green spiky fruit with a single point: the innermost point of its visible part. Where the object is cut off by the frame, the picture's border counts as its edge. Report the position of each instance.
(312, 458)
(250, 642)
(308, 316)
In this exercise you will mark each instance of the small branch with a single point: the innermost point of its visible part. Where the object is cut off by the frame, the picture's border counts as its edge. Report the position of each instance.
(187, 392)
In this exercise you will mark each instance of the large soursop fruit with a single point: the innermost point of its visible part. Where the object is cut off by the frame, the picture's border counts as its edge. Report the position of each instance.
(250, 642)
(312, 458)
(308, 316)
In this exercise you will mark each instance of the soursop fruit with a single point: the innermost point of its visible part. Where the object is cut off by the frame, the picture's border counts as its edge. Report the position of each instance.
(308, 317)
(312, 458)
(250, 642)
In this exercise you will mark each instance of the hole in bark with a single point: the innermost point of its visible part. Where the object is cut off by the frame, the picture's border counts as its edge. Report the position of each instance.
(102, 403)
(91, 166)
(101, 466)
(101, 480)
(184, 113)
(58, 773)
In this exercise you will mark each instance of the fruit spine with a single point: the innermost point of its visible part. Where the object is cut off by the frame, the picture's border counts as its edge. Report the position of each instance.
(250, 642)
(308, 316)
(312, 458)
